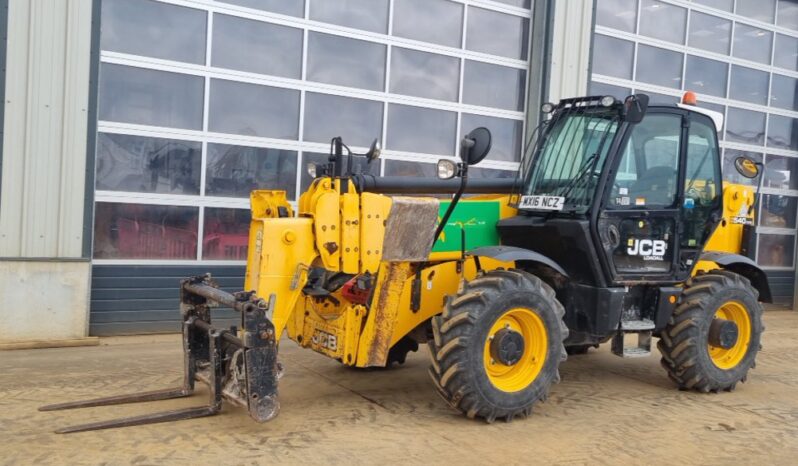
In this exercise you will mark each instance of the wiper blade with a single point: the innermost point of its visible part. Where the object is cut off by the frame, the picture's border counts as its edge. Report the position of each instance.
(587, 167)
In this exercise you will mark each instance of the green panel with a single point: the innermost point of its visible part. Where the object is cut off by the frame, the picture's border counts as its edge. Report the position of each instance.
(477, 218)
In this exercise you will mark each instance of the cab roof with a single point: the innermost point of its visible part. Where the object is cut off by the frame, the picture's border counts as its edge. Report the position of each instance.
(716, 117)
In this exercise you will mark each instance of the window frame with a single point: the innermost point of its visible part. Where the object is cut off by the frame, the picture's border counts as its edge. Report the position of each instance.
(717, 101)
(208, 72)
(614, 164)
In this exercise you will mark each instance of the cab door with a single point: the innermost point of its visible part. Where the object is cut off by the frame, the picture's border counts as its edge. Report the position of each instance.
(663, 198)
(639, 217)
(701, 194)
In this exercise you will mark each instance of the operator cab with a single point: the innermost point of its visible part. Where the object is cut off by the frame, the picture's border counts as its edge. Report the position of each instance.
(634, 191)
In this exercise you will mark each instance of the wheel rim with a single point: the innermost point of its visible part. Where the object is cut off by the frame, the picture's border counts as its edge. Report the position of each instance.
(729, 358)
(512, 378)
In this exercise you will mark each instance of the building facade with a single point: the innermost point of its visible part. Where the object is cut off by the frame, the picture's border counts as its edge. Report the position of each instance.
(741, 58)
(179, 108)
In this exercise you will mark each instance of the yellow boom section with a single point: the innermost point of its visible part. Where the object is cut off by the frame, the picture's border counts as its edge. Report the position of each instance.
(341, 236)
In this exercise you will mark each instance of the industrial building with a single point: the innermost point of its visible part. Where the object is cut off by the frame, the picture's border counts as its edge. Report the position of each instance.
(134, 130)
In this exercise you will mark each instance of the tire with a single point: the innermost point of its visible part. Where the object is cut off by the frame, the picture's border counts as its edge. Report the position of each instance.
(688, 358)
(461, 359)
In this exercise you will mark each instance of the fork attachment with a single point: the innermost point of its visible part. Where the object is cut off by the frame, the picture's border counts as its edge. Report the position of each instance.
(243, 371)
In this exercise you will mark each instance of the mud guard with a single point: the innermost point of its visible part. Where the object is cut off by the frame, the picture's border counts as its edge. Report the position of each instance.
(744, 266)
(514, 254)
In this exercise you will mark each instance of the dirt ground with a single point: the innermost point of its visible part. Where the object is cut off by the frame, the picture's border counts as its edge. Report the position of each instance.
(607, 410)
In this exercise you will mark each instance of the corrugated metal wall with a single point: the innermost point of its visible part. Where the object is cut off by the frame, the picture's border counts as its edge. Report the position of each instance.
(44, 143)
(44, 263)
(3, 52)
(782, 285)
(145, 299)
(571, 36)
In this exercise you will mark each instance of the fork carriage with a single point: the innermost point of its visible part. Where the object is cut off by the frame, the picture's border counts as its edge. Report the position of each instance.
(240, 367)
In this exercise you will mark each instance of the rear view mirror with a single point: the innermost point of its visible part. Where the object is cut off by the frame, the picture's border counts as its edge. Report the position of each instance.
(634, 108)
(746, 167)
(475, 146)
(374, 151)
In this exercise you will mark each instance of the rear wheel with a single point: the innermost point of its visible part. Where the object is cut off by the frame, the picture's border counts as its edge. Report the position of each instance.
(497, 345)
(713, 337)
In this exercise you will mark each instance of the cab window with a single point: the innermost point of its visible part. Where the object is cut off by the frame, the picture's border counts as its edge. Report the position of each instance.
(648, 171)
(702, 183)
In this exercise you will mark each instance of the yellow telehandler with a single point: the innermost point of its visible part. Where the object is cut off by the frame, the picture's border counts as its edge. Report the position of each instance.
(618, 228)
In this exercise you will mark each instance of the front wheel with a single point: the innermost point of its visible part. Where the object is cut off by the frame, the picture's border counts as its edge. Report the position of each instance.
(498, 345)
(713, 337)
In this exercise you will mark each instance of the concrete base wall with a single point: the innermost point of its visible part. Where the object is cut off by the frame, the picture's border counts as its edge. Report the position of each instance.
(44, 300)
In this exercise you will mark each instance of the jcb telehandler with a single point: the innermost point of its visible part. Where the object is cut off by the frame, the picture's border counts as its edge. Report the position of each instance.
(616, 226)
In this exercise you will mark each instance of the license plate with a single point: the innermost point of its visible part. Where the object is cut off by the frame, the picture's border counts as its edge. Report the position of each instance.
(542, 202)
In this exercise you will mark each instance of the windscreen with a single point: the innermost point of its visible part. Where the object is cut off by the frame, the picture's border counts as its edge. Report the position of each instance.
(569, 158)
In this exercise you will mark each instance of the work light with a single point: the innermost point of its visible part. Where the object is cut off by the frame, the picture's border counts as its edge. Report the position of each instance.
(446, 169)
(607, 101)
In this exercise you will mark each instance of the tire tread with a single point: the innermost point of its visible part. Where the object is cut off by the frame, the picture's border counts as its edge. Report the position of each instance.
(679, 342)
(450, 330)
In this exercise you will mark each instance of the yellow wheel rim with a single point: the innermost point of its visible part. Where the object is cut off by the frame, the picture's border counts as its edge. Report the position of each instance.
(729, 358)
(520, 375)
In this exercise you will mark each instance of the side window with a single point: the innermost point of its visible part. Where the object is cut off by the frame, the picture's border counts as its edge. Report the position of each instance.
(702, 183)
(649, 168)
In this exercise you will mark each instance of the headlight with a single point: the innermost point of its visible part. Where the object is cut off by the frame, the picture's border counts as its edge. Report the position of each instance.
(607, 101)
(312, 170)
(548, 107)
(446, 169)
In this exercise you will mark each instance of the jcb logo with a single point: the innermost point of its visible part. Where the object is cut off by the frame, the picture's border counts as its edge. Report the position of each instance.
(650, 249)
(325, 340)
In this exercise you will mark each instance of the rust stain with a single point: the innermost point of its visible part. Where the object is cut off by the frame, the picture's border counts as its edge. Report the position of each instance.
(386, 307)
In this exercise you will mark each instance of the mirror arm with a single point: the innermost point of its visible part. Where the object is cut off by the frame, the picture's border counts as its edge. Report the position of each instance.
(415, 300)
(758, 192)
(463, 168)
(465, 147)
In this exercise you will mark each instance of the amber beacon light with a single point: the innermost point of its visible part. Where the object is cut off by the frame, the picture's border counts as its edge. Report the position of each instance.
(689, 98)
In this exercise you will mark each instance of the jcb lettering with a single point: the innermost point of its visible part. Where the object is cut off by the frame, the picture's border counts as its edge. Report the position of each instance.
(648, 248)
(325, 340)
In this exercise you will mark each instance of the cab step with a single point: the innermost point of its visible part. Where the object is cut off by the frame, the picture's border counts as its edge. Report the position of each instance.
(637, 325)
(643, 328)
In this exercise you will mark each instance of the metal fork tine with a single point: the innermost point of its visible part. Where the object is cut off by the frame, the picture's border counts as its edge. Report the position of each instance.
(154, 418)
(167, 394)
(208, 354)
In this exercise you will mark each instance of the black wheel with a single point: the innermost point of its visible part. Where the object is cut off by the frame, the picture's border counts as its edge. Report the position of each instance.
(713, 337)
(579, 349)
(498, 345)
